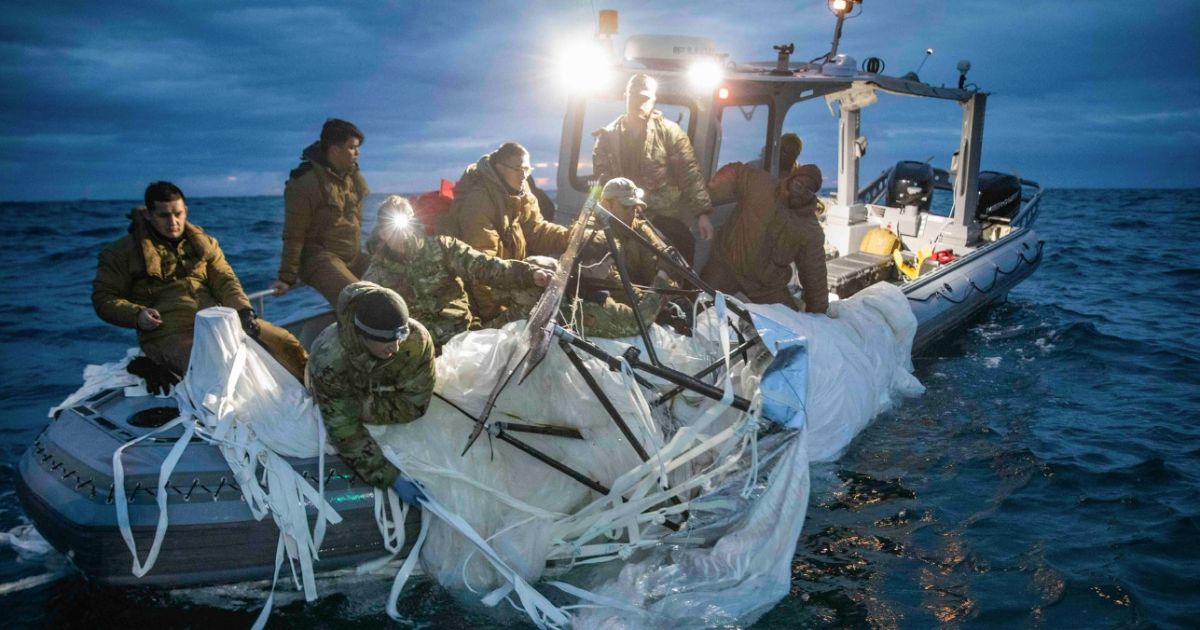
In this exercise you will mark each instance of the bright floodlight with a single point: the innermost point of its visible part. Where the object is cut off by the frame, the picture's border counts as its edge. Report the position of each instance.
(584, 68)
(840, 6)
(705, 74)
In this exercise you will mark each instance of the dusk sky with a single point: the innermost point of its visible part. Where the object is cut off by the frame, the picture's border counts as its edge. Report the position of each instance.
(97, 99)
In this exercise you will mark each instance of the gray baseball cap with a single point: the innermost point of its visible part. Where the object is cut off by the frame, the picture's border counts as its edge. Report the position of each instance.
(624, 192)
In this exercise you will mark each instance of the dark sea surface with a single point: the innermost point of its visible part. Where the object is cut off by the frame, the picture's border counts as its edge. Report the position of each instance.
(1049, 477)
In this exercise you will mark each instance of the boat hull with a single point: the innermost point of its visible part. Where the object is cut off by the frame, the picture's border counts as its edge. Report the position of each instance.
(948, 297)
(65, 484)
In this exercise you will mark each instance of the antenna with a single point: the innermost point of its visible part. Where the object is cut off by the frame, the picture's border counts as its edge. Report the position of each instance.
(912, 76)
(928, 54)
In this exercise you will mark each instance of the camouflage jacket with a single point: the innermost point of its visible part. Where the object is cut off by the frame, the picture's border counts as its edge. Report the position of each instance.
(143, 270)
(642, 263)
(430, 279)
(322, 212)
(612, 319)
(667, 170)
(353, 388)
(510, 226)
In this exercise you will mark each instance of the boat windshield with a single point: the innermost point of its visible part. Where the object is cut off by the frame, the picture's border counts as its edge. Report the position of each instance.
(743, 135)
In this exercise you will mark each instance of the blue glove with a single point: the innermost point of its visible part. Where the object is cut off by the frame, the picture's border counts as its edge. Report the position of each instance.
(408, 489)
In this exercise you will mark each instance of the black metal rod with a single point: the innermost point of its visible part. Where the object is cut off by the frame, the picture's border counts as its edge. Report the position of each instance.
(455, 405)
(604, 401)
(623, 269)
(679, 266)
(610, 286)
(481, 421)
(541, 429)
(547, 460)
(667, 374)
(719, 363)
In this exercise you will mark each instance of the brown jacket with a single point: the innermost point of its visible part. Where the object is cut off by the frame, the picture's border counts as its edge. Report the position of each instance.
(322, 212)
(755, 249)
(486, 216)
(143, 270)
(667, 170)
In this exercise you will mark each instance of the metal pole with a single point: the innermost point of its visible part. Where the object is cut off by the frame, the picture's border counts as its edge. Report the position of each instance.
(547, 460)
(684, 270)
(604, 401)
(623, 270)
(667, 374)
(837, 36)
(671, 393)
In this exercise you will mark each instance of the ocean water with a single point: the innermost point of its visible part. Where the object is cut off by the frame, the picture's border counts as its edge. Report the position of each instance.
(1049, 477)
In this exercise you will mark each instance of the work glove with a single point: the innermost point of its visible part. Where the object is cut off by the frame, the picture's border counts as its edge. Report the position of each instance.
(409, 490)
(159, 378)
(250, 322)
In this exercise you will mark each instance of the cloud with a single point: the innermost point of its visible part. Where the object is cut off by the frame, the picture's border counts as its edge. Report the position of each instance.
(99, 98)
(1139, 118)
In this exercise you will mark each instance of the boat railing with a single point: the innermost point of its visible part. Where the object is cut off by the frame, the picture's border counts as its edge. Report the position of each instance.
(874, 192)
(258, 299)
(1028, 213)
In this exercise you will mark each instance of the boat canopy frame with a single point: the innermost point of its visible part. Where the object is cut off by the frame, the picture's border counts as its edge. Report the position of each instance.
(758, 84)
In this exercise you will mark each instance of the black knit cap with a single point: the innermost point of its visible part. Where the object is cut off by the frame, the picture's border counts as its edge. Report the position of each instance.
(381, 316)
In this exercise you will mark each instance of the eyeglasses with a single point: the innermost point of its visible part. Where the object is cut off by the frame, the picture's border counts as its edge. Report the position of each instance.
(525, 170)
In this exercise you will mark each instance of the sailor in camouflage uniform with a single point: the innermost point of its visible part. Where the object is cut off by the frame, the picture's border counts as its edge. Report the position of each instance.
(657, 154)
(429, 271)
(374, 365)
(626, 202)
(592, 313)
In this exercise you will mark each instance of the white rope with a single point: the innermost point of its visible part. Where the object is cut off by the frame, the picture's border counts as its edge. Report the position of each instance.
(164, 475)
(539, 609)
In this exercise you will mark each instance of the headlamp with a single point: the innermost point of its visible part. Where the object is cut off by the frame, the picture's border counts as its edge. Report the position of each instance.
(399, 333)
(398, 220)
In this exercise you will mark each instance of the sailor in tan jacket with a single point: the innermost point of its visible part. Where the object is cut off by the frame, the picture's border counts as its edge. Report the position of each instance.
(322, 224)
(495, 213)
(773, 226)
(155, 278)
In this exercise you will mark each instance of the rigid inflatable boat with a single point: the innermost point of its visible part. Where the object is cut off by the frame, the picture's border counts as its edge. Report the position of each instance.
(964, 238)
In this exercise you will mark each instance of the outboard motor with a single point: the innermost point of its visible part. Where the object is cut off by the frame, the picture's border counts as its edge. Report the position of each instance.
(999, 197)
(910, 184)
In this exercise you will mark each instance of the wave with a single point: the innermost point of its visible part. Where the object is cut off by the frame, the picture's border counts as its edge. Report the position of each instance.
(1130, 224)
(109, 232)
